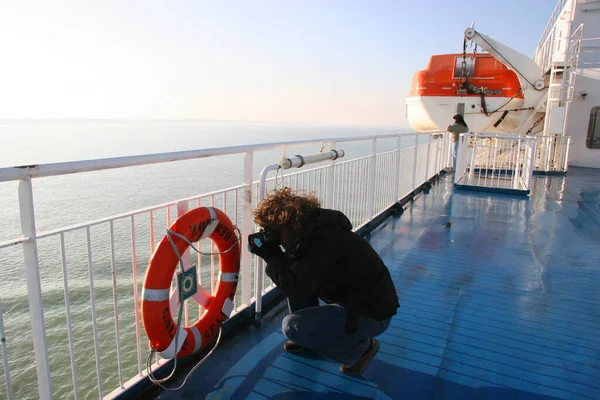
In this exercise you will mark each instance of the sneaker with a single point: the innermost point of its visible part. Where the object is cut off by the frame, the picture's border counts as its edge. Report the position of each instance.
(363, 362)
(293, 348)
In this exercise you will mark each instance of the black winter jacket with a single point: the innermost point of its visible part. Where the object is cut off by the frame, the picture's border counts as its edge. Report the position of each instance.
(338, 266)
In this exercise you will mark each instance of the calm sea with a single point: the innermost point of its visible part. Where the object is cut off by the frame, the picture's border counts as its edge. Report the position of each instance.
(65, 200)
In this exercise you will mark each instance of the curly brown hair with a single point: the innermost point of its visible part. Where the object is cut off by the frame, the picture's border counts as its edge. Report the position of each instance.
(284, 208)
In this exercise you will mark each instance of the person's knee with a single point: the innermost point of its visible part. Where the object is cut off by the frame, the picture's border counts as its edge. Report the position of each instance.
(290, 326)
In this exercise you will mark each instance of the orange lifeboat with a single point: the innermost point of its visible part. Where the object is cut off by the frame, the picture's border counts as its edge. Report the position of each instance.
(483, 89)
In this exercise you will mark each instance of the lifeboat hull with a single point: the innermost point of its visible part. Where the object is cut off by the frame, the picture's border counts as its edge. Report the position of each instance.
(434, 113)
(482, 89)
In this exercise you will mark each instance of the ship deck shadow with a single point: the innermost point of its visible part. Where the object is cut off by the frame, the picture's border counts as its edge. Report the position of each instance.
(499, 300)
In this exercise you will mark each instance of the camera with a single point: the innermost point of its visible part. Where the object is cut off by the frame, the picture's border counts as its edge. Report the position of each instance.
(262, 237)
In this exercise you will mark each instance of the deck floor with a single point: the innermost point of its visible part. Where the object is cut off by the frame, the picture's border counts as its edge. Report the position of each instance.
(500, 299)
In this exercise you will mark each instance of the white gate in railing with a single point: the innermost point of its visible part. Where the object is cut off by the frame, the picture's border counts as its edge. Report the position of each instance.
(69, 302)
(495, 163)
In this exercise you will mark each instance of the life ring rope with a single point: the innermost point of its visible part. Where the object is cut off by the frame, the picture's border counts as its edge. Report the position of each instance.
(157, 295)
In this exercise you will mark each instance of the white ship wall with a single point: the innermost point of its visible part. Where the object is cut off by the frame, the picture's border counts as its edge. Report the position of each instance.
(588, 81)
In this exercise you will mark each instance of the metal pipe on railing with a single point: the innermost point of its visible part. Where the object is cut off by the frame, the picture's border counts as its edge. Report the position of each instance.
(298, 161)
(5, 357)
(259, 272)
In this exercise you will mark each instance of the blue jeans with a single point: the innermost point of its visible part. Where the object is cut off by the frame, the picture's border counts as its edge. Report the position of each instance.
(322, 329)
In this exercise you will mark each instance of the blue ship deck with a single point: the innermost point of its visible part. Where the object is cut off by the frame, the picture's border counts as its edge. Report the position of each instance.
(499, 299)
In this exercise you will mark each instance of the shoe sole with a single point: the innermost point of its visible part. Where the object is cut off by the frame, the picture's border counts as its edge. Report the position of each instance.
(373, 353)
(296, 350)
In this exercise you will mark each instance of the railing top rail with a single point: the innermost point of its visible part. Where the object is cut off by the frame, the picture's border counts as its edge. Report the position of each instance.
(71, 167)
(553, 18)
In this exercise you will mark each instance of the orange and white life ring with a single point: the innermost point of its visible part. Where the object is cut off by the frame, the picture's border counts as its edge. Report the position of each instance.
(194, 225)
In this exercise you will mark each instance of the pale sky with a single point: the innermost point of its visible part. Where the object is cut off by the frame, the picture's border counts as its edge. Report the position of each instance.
(320, 61)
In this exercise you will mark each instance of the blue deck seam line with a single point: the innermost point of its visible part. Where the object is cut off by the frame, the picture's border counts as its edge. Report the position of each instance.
(520, 377)
(451, 331)
(312, 380)
(493, 333)
(488, 294)
(480, 297)
(584, 375)
(439, 305)
(476, 367)
(299, 359)
(292, 386)
(479, 339)
(509, 330)
(452, 285)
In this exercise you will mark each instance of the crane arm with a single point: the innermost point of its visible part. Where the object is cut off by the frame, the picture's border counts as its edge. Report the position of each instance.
(528, 72)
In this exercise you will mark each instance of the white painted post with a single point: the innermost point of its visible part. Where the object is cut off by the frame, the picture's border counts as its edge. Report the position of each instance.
(371, 183)
(330, 180)
(517, 171)
(427, 159)
(566, 159)
(436, 163)
(186, 259)
(5, 358)
(247, 223)
(34, 288)
(259, 272)
(549, 154)
(414, 176)
(397, 169)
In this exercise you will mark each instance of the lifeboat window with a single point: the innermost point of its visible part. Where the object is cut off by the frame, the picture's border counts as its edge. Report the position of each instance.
(458, 67)
(593, 137)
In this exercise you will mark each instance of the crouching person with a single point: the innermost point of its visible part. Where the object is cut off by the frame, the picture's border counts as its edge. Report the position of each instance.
(325, 260)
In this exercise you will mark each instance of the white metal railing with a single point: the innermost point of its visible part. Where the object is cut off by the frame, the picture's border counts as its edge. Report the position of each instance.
(83, 280)
(551, 44)
(552, 153)
(504, 163)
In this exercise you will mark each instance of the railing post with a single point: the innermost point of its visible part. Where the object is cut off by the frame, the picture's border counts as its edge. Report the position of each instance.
(34, 288)
(259, 273)
(397, 169)
(414, 175)
(330, 180)
(5, 357)
(371, 186)
(186, 259)
(567, 148)
(246, 276)
(436, 163)
(427, 159)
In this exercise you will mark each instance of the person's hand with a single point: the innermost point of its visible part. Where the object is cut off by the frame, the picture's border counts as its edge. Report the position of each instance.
(267, 250)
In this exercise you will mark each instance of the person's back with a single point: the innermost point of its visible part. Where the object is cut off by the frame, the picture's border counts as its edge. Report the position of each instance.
(456, 130)
(459, 126)
(348, 270)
